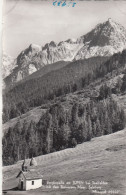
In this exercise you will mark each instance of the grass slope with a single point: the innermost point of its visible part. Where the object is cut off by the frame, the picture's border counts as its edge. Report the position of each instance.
(32, 115)
(101, 159)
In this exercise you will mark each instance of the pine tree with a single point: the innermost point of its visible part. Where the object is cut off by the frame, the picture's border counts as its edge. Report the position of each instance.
(98, 128)
(123, 88)
(94, 132)
(89, 134)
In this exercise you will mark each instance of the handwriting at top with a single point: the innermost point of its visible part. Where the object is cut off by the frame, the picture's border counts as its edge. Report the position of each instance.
(64, 3)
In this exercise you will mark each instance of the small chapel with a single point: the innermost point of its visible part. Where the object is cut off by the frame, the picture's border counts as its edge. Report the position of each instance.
(28, 177)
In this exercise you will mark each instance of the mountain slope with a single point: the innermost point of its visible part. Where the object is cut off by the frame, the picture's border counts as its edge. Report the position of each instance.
(104, 40)
(41, 72)
(35, 57)
(97, 160)
(36, 91)
(70, 119)
(74, 76)
(91, 91)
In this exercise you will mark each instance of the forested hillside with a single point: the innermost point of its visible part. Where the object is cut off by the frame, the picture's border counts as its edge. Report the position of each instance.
(44, 70)
(67, 120)
(38, 90)
(62, 127)
(73, 77)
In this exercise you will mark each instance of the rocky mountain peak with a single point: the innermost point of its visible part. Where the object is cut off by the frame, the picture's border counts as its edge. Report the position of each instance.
(52, 44)
(35, 48)
(105, 33)
(49, 45)
(105, 39)
(109, 19)
(71, 40)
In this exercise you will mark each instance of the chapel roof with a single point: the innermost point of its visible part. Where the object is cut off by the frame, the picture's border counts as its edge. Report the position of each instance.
(30, 174)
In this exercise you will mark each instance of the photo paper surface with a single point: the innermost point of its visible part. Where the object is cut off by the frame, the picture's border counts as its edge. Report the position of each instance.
(63, 97)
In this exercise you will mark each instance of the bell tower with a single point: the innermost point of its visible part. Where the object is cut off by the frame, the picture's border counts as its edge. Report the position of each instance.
(24, 167)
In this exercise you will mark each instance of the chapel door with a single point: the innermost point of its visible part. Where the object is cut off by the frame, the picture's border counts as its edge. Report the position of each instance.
(21, 185)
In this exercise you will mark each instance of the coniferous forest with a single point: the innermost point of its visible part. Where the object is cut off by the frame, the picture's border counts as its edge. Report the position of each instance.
(64, 126)
(73, 77)
(59, 128)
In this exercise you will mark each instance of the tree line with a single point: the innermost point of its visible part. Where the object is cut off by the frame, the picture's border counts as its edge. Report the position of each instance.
(61, 128)
(75, 76)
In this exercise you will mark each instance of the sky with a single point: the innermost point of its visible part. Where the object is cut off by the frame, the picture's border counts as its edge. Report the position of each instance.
(39, 22)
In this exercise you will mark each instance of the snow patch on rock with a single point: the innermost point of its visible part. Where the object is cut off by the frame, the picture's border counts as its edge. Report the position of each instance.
(32, 68)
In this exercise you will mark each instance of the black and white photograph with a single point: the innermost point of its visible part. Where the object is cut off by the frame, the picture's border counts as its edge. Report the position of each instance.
(63, 86)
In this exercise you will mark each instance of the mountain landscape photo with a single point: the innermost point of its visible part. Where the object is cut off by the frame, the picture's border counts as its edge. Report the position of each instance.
(64, 102)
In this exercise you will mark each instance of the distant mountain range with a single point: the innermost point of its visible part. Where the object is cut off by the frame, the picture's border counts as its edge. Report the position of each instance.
(8, 65)
(64, 94)
(104, 40)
